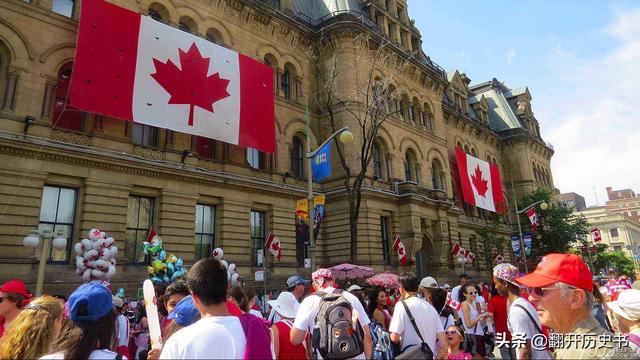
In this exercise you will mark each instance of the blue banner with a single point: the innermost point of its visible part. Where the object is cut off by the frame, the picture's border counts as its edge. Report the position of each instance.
(515, 244)
(321, 163)
(527, 243)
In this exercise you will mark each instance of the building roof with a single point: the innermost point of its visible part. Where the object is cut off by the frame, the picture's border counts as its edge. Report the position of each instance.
(316, 9)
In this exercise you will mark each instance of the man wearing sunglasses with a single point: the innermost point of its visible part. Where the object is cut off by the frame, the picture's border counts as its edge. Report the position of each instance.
(522, 317)
(561, 287)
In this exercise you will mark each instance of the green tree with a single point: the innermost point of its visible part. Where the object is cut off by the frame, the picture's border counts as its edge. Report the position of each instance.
(491, 238)
(605, 260)
(559, 228)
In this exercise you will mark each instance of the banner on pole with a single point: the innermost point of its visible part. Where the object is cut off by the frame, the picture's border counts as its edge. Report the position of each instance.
(318, 214)
(528, 239)
(321, 163)
(515, 245)
(302, 222)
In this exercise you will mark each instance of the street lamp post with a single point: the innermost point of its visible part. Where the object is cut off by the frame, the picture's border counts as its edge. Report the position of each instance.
(57, 241)
(543, 206)
(345, 137)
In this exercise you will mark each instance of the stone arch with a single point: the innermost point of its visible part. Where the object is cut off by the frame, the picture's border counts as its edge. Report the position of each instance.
(12, 37)
(386, 135)
(55, 49)
(162, 8)
(213, 26)
(189, 23)
(384, 158)
(295, 126)
(407, 143)
(265, 49)
(286, 58)
(435, 153)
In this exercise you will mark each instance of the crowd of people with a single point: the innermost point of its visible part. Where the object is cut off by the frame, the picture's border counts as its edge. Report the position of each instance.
(557, 311)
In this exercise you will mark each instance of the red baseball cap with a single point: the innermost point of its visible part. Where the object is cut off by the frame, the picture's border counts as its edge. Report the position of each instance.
(553, 268)
(15, 287)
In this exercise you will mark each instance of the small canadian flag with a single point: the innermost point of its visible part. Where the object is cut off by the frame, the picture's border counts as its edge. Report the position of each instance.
(398, 246)
(533, 217)
(273, 245)
(595, 232)
(456, 249)
(452, 303)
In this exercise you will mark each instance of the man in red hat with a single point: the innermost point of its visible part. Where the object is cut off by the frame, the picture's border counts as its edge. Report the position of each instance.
(13, 294)
(561, 289)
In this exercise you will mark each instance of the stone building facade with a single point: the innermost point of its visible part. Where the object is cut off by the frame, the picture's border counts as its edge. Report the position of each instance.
(71, 170)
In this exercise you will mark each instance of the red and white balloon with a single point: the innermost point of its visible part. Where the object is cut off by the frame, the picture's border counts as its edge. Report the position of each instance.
(232, 275)
(96, 256)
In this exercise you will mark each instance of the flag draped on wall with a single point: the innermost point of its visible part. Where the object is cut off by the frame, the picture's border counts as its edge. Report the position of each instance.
(131, 67)
(480, 182)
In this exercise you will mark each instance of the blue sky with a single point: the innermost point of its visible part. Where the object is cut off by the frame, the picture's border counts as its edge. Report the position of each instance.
(581, 62)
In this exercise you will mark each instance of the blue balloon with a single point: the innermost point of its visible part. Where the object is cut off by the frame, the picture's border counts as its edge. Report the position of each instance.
(165, 278)
(177, 274)
(156, 279)
(163, 255)
(170, 268)
(179, 263)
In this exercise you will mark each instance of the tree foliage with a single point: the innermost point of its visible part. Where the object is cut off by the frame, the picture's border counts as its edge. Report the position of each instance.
(605, 259)
(559, 229)
(491, 238)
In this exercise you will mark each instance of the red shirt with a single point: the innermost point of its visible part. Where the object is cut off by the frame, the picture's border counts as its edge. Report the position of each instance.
(233, 308)
(288, 351)
(1, 326)
(498, 307)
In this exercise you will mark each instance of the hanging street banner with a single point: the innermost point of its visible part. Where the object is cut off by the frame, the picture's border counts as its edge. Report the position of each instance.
(480, 182)
(302, 222)
(318, 214)
(515, 245)
(321, 163)
(528, 241)
(131, 67)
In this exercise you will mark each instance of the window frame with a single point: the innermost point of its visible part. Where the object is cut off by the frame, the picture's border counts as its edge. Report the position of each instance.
(257, 242)
(376, 158)
(138, 249)
(202, 233)
(385, 233)
(612, 231)
(297, 158)
(73, 8)
(253, 155)
(57, 223)
(153, 137)
(285, 83)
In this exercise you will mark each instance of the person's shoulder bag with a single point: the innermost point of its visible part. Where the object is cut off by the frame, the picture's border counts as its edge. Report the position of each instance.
(417, 351)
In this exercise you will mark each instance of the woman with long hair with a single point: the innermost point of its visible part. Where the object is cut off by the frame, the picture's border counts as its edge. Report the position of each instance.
(378, 307)
(33, 331)
(439, 302)
(471, 319)
(93, 337)
(455, 336)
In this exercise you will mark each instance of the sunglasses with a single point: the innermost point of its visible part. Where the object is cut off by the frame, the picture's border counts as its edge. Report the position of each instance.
(542, 291)
(452, 332)
(472, 293)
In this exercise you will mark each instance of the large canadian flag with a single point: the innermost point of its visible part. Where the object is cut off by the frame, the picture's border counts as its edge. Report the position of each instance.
(132, 67)
(481, 183)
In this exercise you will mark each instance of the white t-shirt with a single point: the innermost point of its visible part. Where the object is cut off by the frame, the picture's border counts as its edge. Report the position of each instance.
(123, 331)
(425, 316)
(219, 337)
(473, 314)
(519, 322)
(308, 311)
(256, 313)
(447, 321)
(455, 292)
(95, 355)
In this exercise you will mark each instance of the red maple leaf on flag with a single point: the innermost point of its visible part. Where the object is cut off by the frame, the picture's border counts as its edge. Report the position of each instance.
(478, 182)
(191, 85)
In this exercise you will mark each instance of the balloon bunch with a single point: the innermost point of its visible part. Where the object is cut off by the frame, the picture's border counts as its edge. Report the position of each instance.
(165, 267)
(96, 256)
(232, 275)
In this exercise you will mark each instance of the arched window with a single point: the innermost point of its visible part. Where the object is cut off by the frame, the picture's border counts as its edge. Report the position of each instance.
(410, 167)
(285, 83)
(64, 115)
(436, 175)
(297, 158)
(155, 16)
(377, 161)
(184, 27)
(466, 150)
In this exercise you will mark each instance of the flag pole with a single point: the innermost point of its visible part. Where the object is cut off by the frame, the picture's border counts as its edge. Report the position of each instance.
(523, 251)
(312, 241)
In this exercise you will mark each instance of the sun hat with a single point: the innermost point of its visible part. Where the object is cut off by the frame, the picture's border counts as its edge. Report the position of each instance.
(428, 282)
(354, 288)
(554, 268)
(95, 297)
(286, 305)
(506, 272)
(296, 280)
(15, 286)
(627, 305)
(185, 313)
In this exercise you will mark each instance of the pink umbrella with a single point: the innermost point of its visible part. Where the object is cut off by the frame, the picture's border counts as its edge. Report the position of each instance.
(350, 271)
(385, 280)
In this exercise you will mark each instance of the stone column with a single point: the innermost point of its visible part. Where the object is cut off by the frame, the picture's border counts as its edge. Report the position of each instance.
(10, 91)
(49, 93)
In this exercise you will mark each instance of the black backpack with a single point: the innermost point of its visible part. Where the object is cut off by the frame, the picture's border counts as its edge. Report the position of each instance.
(334, 335)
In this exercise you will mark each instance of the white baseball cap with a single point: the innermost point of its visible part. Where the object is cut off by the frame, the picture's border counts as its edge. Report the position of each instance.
(354, 288)
(627, 305)
(428, 282)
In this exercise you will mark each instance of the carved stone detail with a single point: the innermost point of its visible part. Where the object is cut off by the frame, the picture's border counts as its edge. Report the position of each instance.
(69, 137)
(210, 165)
(148, 153)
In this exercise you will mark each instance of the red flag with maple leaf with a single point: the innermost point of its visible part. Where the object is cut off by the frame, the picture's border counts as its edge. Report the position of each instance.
(480, 182)
(398, 246)
(273, 245)
(131, 67)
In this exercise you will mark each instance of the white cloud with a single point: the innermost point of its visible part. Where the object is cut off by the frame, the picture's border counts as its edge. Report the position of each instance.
(594, 120)
(510, 55)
